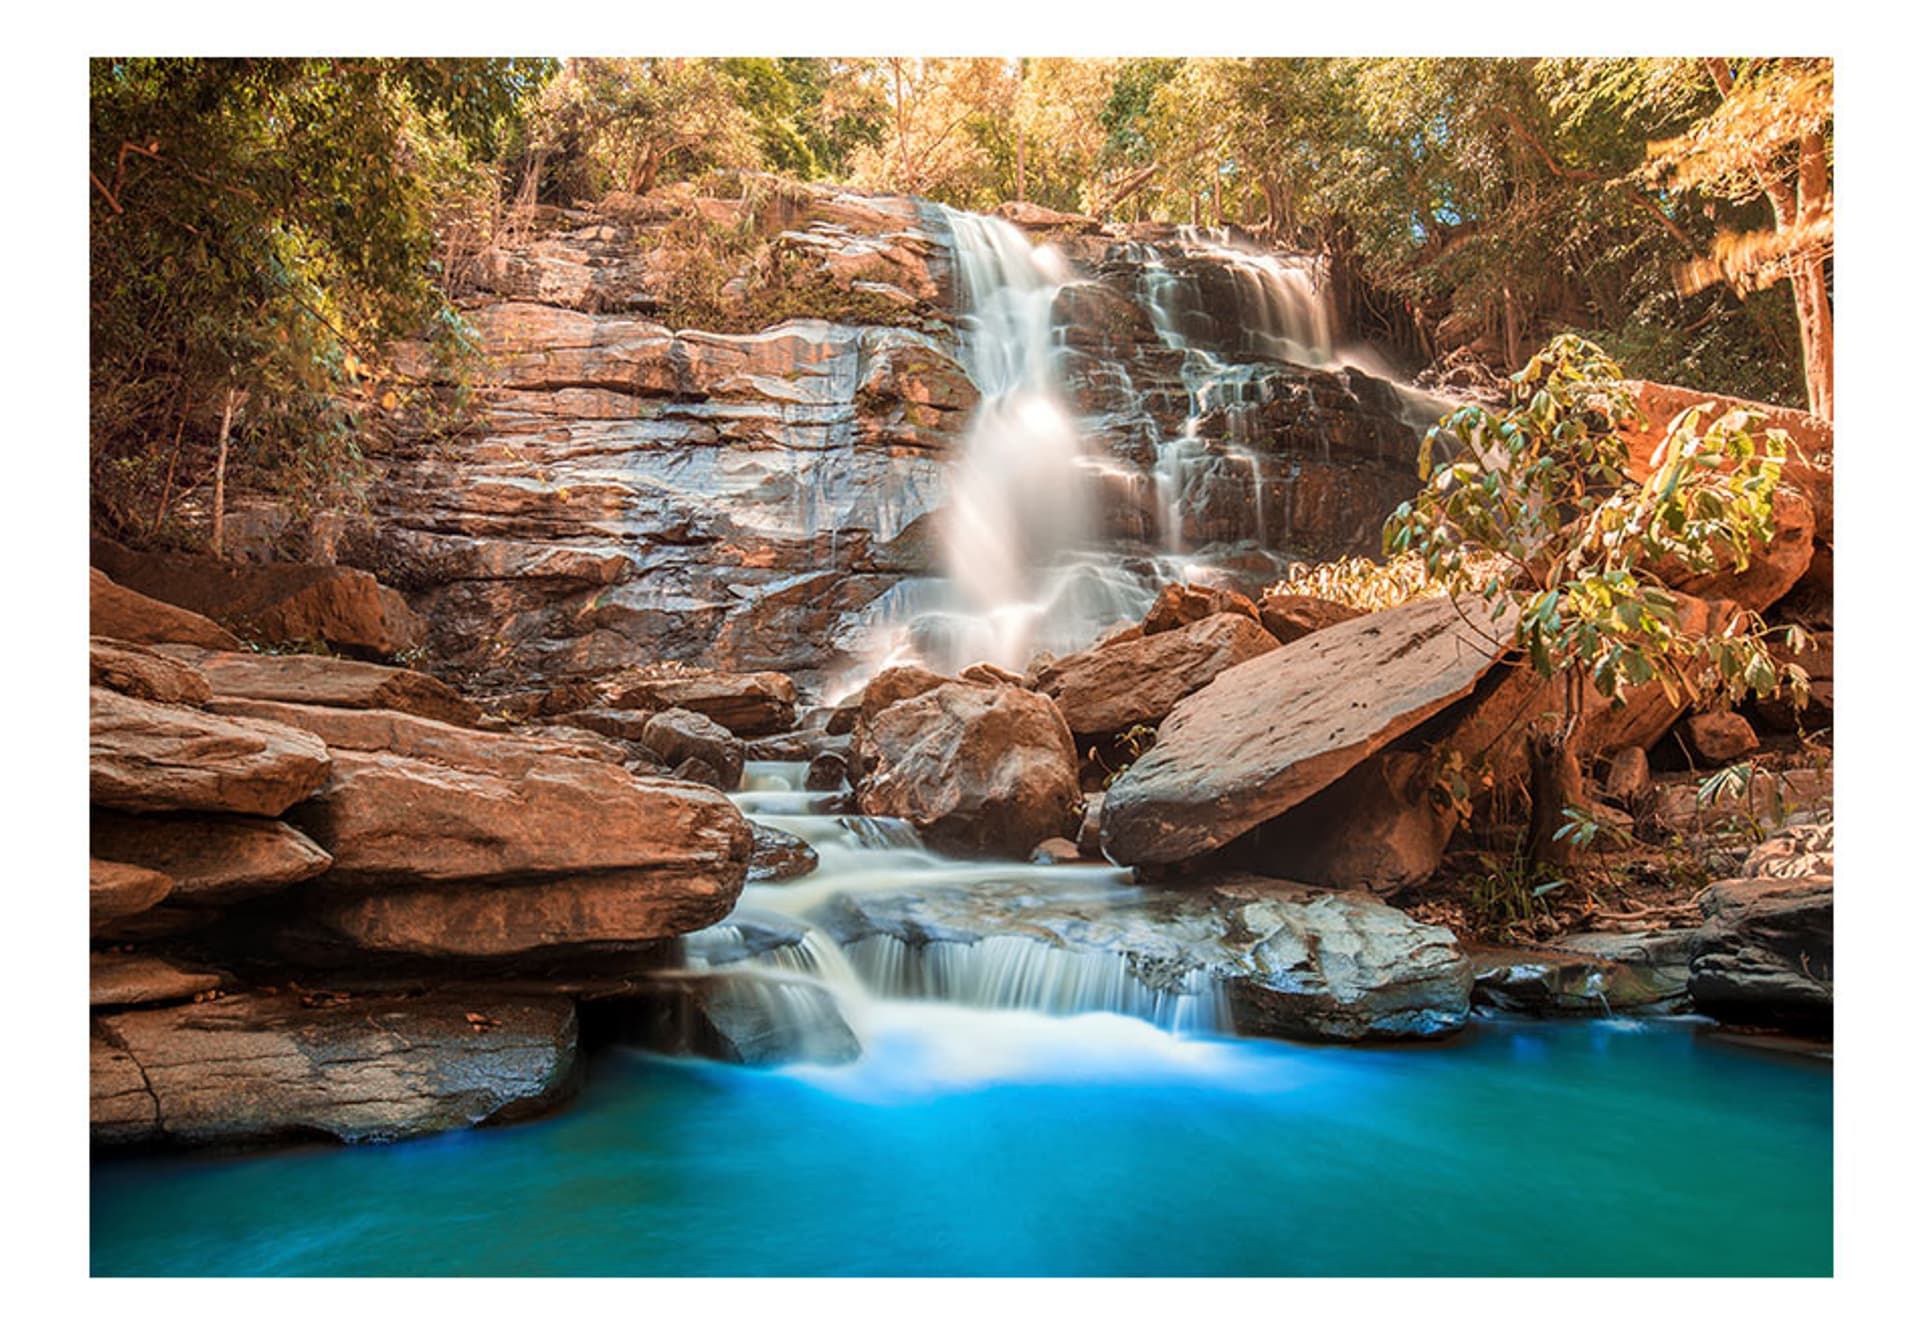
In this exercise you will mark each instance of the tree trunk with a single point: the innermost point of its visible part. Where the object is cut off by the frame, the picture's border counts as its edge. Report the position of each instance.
(1020, 167)
(1553, 784)
(1510, 327)
(1809, 279)
(220, 477)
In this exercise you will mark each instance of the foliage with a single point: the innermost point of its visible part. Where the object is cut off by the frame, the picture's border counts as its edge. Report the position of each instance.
(1583, 548)
(1507, 892)
(629, 124)
(261, 231)
(1364, 585)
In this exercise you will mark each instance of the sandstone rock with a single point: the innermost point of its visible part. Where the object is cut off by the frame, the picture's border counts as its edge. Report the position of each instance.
(1816, 660)
(1269, 733)
(746, 704)
(1717, 737)
(115, 980)
(211, 859)
(894, 684)
(1590, 974)
(116, 890)
(120, 613)
(274, 603)
(1254, 956)
(1183, 604)
(973, 768)
(1801, 849)
(1376, 828)
(1629, 780)
(620, 724)
(1769, 800)
(679, 735)
(161, 757)
(253, 1068)
(989, 674)
(393, 732)
(1111, 688)
(778, 855)
(144, 674)
(303, 678)
(1291, 616)
(1773, 567)
(1765, 955)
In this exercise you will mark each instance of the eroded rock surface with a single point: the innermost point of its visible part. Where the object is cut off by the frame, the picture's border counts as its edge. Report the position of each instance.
(162, 757)
(1765, 955)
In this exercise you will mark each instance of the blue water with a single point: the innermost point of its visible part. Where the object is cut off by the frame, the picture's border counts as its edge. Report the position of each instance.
(973, 1143)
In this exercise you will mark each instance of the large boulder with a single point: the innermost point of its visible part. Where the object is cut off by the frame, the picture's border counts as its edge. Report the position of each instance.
(116, 980)
(253, 1068)
(144, 674)
(1269, 733)
(745, 703)
(1241, 953)
(306, 678)
(681, 735)
(1183, 604)
(211, 859)
(117, 890)
(974, 768)
(274, 603)
(1765, 956)
(146, 756)
(1376, 827)
(1291, 616)
(1111, 687)
(391, 731)
(120, 613)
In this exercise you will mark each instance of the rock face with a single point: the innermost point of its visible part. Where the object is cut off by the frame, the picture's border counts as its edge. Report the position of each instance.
(1291, 616)
(253, 1068)
(273, 603)
(742, 1018)
(116, 890)
(973, 768)
(1256, 956)
(1268, 734)
(778, 855)
(750, 704)
(1109, 688)
(211, 859)
(1593, 974)
(161, 757)
(144, 674)
(120, 613)
(1765, 955)
(304, 678)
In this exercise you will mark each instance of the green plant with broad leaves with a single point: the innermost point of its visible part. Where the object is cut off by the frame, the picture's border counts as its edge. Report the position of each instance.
(1536, 508)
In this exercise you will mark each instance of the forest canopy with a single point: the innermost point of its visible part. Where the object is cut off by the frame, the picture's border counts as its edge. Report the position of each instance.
(262, 229)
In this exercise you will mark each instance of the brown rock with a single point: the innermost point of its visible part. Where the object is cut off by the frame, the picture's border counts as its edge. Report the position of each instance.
(116, 890)
(1055, 851)
(1088, 839)
(1183, 604)
(274, 603)
(1112, 687)
(1765, 954)
(121, 613)
(989, 674)
(1773, 567)
(409, 734)
(1374, 828)
(745, 703)
(1629, 779)
(252, 1068)
(1291, 616)
(973, 768)
(144, 674)
(894, 684)
(1269, 733)
(304, 678)
(161, 757)
(140, 979)
(680, 735)
(1719, 736)
(211, 859)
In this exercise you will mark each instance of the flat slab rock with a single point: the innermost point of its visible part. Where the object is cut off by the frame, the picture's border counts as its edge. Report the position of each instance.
(1594, 973)
(307, 678)
(1287, 960)
(115, 979)
(144, 756)
(260, 1067)
(210, 858)
(1271, 732)
(1110, 687)
(1765, 955)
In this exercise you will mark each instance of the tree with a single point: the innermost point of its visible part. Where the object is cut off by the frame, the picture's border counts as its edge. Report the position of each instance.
(629, 124)
(1536, 509)
(1768, 135)
(260, 231)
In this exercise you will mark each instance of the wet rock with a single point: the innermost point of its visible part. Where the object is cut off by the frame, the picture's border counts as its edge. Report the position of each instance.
(118, 980)
(742, 1018)
(262, 1067)
(1113, 687)
(746, 704)
(1183, 604)
(827, 772)
(274, 603)
(116, 890)
(1717, 737)
(115, 612)
(973, 768)
(1271, 732)
(144, 674)
(212, 859)
(680, 735)
(1594, 973)
(162, 757)
(1765, 956)
(1055, 851)
(1291, 616)
(778, 855)
(1260, 957)
(1088, 839)
(304, 678)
